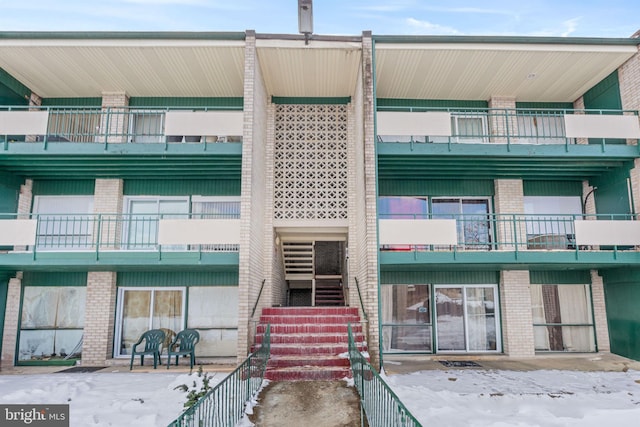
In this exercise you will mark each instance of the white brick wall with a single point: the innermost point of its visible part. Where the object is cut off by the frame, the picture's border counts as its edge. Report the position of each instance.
(11, 317)
(599, 312)
(97, 344)
(498, 121)
(517, 320)
(629, 79)
(509, 199)
(116, 124)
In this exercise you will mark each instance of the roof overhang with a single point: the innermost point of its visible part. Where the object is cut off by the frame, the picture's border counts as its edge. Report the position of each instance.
(62, 65)
(530, 70)
(321, 68)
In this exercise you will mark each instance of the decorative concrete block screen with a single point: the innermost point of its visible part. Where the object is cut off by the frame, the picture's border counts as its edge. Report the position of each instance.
(310, 162)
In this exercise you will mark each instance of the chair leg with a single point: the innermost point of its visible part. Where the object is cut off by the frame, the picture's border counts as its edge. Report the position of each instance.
(131, 364)
(142, 360)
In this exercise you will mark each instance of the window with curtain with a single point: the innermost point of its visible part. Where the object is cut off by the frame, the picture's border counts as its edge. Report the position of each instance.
(213, 311)
(216, 208)
(141, 309)
(146, 126)
(141, 223)
(539, 127)
(562, 318)
(406, 318)
(51, 322)
(64, 222)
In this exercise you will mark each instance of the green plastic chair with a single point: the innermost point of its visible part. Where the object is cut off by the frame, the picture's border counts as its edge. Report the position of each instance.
(184, 344)
(153, 340)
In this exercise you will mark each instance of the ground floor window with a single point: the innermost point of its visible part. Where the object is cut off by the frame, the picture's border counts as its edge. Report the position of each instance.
(141, 309)
(562, 318)
(440, 318)
(51, 323)
(211, 310)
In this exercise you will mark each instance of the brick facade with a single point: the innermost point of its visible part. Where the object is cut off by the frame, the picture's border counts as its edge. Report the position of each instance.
(517, 320)
(97, 344)
(11, 321)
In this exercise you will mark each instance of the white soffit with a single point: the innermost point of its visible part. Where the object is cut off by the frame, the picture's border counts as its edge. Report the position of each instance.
(531, 72)
(86, 68)
(319, 69)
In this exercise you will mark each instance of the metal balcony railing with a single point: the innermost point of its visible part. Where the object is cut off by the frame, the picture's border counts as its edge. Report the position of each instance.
(224, 405)
(109, 125)
(103, 232)
(510, 232)
(378, 403)
(497, 125)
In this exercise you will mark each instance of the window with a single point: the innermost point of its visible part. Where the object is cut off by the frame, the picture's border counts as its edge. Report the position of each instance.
(472, 220)
(469, 127)
(64, 222)
(540, 128)
(52, 322)
(550, 221)
(141, 230)
(213, 311)
(216, 208)
(402, 208)
(406, 318)
(146, 126)
(141, 309)
(562, 318)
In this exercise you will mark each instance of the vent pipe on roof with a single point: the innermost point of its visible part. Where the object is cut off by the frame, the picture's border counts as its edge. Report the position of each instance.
(305, 19)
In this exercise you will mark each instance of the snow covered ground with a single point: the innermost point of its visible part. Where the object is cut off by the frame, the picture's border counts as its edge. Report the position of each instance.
(452, 398)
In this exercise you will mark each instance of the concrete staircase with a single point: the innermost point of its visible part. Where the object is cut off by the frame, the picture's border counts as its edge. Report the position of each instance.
(309, 343)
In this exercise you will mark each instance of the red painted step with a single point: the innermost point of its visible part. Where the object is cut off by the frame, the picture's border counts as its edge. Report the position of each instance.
(309, 343)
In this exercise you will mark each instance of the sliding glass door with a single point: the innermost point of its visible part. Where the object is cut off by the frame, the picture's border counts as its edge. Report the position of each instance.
(466, 318)
(472, 219)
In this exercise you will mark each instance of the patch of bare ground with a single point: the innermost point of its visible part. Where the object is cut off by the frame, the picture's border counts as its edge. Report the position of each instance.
(307, 403)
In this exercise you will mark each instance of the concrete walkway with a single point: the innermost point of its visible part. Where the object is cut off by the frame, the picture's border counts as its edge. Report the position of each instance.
(307, 403)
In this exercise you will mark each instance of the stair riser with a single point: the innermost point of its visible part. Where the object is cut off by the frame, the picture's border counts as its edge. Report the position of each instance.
(310, 329)
(317, 375)
(330, 350)
(269, 311)
(298, 320)
(279, 362)
(310, 339)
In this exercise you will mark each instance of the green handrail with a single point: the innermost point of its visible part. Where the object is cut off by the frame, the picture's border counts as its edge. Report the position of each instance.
(258, 299)
(364, 312)
(380, 404)
(224, 405)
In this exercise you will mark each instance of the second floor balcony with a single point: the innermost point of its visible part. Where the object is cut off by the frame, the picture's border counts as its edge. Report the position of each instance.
(490, 239)
(119, 125)
(123, 239)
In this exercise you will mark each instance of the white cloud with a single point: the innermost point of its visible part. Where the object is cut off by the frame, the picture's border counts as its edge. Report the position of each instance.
(570, 26)
(431, 28)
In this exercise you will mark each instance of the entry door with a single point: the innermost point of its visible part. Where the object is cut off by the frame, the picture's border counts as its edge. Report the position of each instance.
(466, 318)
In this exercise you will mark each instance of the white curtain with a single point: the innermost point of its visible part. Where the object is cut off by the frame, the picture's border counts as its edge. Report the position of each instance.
(540, 333)
(575, 308)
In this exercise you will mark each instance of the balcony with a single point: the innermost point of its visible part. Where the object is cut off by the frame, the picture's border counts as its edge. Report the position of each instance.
(513, 142)
(118, 239)
(85, 142)
(510, 240)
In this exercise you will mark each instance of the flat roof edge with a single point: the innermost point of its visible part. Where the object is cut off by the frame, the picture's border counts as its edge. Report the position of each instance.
(507, 39)
(121, 35)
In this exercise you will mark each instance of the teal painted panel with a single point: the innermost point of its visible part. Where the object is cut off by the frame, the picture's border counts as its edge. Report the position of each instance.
(605, 96)
(8, 198)
(436, 187)
(72, 102)
(211, 102)
(310, 100)
(12, 89)
(623, 316)
(429, 103)
(178, 278)
(37, 278)
(552, 188)
(612, 195)
(560, 277)
(182, 187)
(76, 187)
(439, 277)
(545, 105)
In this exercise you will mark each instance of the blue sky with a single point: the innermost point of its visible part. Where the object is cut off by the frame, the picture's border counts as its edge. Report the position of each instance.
(559, 18)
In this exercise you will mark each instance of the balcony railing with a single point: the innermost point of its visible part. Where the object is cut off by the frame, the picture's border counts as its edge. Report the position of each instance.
(505, 126)
(110, 125)
(105, 232)
(516, 232)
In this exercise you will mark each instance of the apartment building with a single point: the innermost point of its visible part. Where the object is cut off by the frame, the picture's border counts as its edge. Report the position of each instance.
(466, 194)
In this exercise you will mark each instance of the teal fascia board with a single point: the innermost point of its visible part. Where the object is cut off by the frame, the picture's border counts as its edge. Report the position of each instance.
(509, 260)
(504, 150)
(59, 148)
(118, 260)
(121, 35)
